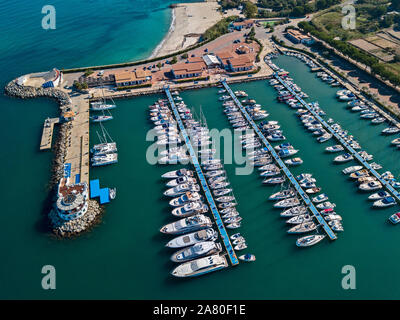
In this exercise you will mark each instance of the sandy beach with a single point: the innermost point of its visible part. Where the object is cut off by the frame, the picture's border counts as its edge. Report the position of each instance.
(189, 21)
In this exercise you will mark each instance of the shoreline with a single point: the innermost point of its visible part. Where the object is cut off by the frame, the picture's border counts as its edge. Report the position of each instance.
(171, 29)
(188, 22)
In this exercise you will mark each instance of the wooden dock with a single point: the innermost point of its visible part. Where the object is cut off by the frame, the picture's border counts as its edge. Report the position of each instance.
(47, 134)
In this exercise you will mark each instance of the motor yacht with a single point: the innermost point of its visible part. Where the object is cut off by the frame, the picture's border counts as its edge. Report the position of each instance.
(193, 238)
(200, 266)
(189, 224)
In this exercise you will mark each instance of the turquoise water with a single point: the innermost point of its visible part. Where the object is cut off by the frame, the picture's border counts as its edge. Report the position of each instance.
(124, 257)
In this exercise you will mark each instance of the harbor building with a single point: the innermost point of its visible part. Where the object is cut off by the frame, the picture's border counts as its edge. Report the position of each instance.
(72, 201)
(211, 61)
(188, 70)
(96, 80)
(132, 78)
(236, 63)
(298, 37)
(239, 25)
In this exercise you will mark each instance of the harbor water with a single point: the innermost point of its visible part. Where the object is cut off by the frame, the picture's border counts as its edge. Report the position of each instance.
(125, 256)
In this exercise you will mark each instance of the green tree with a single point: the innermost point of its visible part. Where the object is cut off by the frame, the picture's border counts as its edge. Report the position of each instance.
(174, 60)
(250, 10)
(159, 65)
(298, 11)
(184, 56)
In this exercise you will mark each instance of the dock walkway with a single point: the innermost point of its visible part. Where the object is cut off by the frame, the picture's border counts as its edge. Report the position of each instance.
(289, 175)
(47, 133)
(221, 228)
(364, 163)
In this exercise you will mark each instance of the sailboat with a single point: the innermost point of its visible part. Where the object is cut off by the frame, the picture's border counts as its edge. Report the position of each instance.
(106, 145)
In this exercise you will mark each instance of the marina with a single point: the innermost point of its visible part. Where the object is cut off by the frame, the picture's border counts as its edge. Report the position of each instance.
(289, 175)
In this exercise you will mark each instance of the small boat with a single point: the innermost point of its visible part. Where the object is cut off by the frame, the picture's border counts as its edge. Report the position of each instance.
(219, 185)
(196, 251)
(302, 228)
(378, 120)
(308, 241)
(185, 198)
(112, 192)
(221, 192)
(284, 194)
(181, 189)
(225, 205)
(235, 236)
(369, 186)
(225, 199)
(324, 137)
(396, 141)
(200, 266)
(391, 130)
(320, 198)
(234, 219)
(190, 208)
(301, 218)
(344, 158)
(238, 240)
(359, 174)
(181, 180)
(100, 118)
(234, 225)
(214, 173)
(177, 173)
(385, 202)
(335, 148)
(276, 180)
(294, 162)
(240, 246)
(335, 225)
(395, 218)
(351, 169)
(313, 190)
(331, 217)
(230, 214)
(287, 203)
(326, 205)
(379, 195)
(247, 257)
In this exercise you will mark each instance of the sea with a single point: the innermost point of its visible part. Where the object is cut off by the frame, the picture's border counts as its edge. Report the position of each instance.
(125, 257)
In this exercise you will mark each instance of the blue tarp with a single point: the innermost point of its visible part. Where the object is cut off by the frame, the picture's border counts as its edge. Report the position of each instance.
(95, 191)
(67, 170)
(77, 178)
(48, 84)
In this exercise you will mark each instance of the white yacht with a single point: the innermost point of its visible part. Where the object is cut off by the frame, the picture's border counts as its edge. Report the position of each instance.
(177, 173)
(326, 205)
(295, 211)
(185, 198)
(301, 218)
(302, 228)
(200, 266)
(181, 180)
(320, 198)
(370, 186)
(379, 195)
(344, 158)
(287, 203)
(352, 169)
(190, 209)
(182, 188)
(196, 222)
(385, 202)
(193, 238)
(106, 159)
(308, 241)
(196, 251)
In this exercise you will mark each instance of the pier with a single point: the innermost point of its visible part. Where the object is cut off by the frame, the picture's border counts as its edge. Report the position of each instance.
(47, 133)
(353, 152)
(207, 192)
(288, 174)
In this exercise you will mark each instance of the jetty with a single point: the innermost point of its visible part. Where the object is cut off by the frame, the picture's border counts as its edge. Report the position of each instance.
(203, 182)
(282, 165)
(47, 133)
(350, 149)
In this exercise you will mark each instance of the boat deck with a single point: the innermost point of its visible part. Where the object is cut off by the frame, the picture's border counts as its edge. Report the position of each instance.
(47, 133)
(221, 228)
(287, 172)
(353, 152)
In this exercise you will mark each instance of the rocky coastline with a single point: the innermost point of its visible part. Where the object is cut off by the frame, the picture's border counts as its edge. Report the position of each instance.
(60, 227)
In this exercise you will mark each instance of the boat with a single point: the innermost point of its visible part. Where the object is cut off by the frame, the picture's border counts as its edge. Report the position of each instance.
(193, 223)
(196, 251)
(270, 173)
(238, 240)
(177, 173)
(225, 198)
(240, 246)
(276, 180)
(225, 205)
(294, 162)
(287, 203)
(324, 137)
(247, 257)
(193, 238)
(214, 173)
(234, 225)
(396, 141)
(181, 180)
(284, 153)
(200, 266)
(308, 241)
(320, 198)
(344, 158)
(385, 202)
(313, 190)
(369, 186)
(234, 219)
(284, 194)
(219, 185)
(100, 118)
(326, 205)
(185, 198)
(351, 169)
(378, 120)
(359, 174)
(112, 192)
(301, 218)
(379, 195)
(181, 188)
(104, 148)
(335, 225)
(395, 218)
(101, 106)
(106, 159)
(191, 208)
(331, 217)
(221, 192)
(303, 228)
(391, 130)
